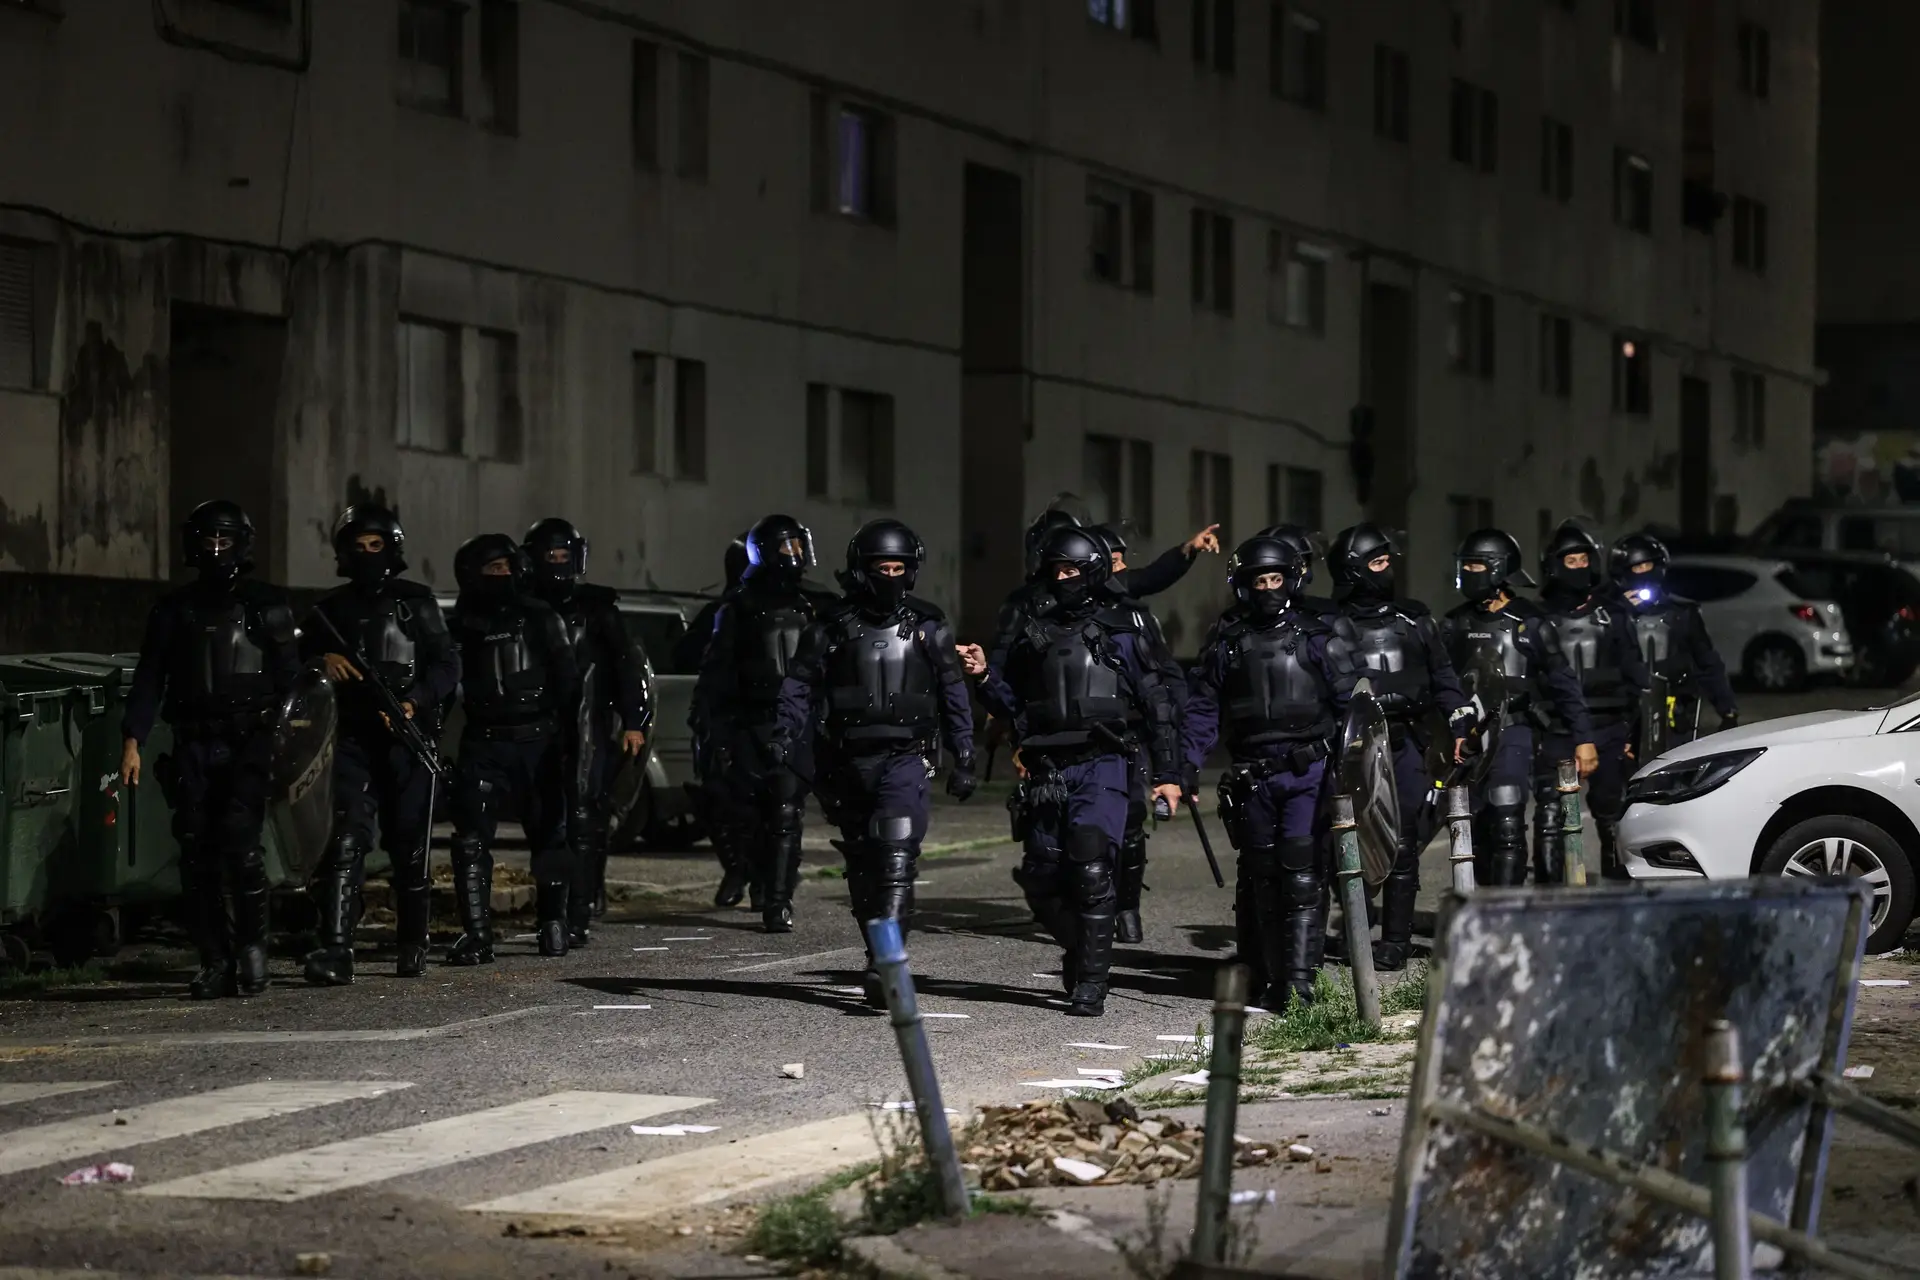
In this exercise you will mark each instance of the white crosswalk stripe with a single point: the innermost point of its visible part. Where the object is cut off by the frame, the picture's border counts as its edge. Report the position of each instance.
(114, 1131)
(704, 1175)
(378, 1157)
(32, 1092)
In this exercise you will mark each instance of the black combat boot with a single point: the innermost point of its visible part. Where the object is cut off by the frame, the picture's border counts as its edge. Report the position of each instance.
(1396, 910)
(473, 886)
(250, 925)
(1092, 965)
(336, 898)
(1128, 884)
(412, 908)
(781, 872)
(204, 910)
(1549, 846)
(550, 905)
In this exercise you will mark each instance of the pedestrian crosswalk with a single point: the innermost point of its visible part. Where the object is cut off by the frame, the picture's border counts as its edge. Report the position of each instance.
(681, 1174)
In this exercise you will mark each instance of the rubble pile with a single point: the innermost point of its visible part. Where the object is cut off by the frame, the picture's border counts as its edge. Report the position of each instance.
(1082, 1143)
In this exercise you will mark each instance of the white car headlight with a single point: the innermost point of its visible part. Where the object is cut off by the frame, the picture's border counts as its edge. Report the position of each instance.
(1689, 779)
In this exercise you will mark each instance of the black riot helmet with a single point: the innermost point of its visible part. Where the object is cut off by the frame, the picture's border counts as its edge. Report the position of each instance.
(736, 560)
(1071, 545)
(217, 539)
(1043, 526)
(1571, 540)
(1300, 540)
(1640, 548)
(368, 568)
(1254, 559)
(476, 553)
(779, 545)
(1353, 549)
(878, 542)
(1496, 550)
(544, 543)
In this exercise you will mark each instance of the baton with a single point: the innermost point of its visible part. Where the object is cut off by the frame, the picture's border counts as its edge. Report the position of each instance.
(1163, 812)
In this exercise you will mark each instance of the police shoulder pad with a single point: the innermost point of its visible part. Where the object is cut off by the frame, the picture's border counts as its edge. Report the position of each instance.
(926, 610)
(1413, 610)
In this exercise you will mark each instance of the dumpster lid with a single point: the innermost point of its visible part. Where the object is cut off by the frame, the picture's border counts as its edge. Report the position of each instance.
(68, 668)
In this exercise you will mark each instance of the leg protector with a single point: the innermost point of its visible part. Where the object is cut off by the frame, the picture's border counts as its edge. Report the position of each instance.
(1396, 908)
(1506, 827)
(1299, 893)
(782, 868)
(1046, 898)
(337, 893)
(1129, 883)
(205, 902)
(587, 829)
(1261, 922)
(250, 923)
(1091, 858)
(1549, 845)
(473, 886)
(550, 906)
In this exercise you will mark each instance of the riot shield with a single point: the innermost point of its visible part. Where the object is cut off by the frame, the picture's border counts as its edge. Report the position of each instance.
(1656, 723)
(300, 799)
(1484, 680)
(1366, 774)
(590, 742)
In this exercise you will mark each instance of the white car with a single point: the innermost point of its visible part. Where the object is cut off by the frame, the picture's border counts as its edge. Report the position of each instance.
(1828, 793)
(1762, 620)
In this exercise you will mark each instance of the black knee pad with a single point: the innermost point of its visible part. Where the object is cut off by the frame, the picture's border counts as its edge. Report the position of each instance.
(1547, 816)
(346, 854)
(787, 817)
(890, 829)
(1298, 854)
(1507, 827)
(1507, 795)
(250, 871)
(1093, 886)
(1038, 875)
(1088, 844)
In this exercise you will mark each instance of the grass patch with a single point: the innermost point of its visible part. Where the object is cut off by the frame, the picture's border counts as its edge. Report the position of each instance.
(804, 1228)
(1333, 1019)
(34, 981)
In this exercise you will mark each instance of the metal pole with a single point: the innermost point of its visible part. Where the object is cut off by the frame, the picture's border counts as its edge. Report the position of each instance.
(1570, 821)
(1223, 1102)
(1460, 837)
(1353, 906)
(1727, 1155)
(890, 958)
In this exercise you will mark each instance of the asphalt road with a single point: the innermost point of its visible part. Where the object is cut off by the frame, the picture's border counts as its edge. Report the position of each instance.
(413, 1128)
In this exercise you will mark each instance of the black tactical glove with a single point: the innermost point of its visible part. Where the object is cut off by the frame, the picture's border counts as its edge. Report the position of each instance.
(962, 781)
(1190, 780)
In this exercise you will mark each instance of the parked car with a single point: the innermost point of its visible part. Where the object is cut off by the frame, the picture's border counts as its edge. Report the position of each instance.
(665, 817)
(1829, 793)
(1880, 600)
(1806, 525)
(1769, 632)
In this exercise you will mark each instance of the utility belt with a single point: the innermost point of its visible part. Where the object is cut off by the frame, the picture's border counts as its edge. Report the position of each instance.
(1039, 789)
(525, 731)
(1295, 760)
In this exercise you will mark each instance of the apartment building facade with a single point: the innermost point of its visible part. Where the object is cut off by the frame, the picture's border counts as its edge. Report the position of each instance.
(664, 266)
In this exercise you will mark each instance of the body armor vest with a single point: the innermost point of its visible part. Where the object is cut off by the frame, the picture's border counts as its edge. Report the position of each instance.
(1392, 654)
(1653, 630)
(1587, 638)
(379, 628)
(767, 630)
(1079, 687)
(219, 668)
(880, 683)
(503, 675)
(1480, 632)
(1270, 693)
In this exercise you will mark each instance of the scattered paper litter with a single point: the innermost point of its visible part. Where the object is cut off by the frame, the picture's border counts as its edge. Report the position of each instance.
(1198, 1077)
(1089, 1044)
(1254, 1008)
(1082, 1082)
(623, 1006)
(1185, 1039)
(113, 1171)
(1250, 1196)
(523, 937)
(750, 955)
(1299, 1152)
(649, 948)
(1885, 982)
(905, 1106)
(946, 1015)
(707, 939)
(1861, 1072)
(1046, 975)
(1099, 1071)
(848, 991)
(794, 1071)
(1080, 1169)
(1381, 1111)
(670, 1130)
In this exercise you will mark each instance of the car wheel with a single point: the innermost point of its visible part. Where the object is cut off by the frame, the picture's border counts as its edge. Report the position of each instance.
(1843, 845)
(1775, 665)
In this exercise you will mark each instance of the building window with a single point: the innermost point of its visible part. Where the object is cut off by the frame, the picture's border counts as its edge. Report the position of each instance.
(1749, 408)
(1296, 282)
(1294, 496)
(1556, 159)
(496, 418)
(1117, 475)
(1135, 17)
(852, 160)
(1210, 491)
(1213, 31)
(1750, 235)
(27, 288)
(1634, 20)
(428, 416)
(1470, 332)
(690, 419)
(690, 158)
(1392, 78)
(429, 65)
(1474, 127)
(646, 105)
(866, 449)
(1120, 235)
(1469, 515)
(646, 413)
(499, 66)
(1632, 376)
(1556, 357)
(1212, 242)
(1632, 191)
(1756, 60)
(1298, 58)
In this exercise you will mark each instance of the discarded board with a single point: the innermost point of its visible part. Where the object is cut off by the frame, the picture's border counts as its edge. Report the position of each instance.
(1584, 1016)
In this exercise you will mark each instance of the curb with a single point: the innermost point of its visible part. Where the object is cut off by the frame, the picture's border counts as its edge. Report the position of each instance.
(891, 1262)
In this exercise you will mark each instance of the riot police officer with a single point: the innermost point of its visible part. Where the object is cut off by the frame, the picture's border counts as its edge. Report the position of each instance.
(520, 688)
(1673, 639)
(692, 646)
(1301, 542)
(688, 654)
(218, 658)
(1274, 682)
(381, 627)
(1598, 639)
(1396, 645)
(1066, 686)
(882, 666)
(1500, 632)
(755, 634)
(616, 704)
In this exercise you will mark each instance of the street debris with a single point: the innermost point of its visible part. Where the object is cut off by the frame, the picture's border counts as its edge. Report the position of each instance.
(650, 948)
(794, 1071)
(1252, 1196)
(1089, 1044)
(312, 1264)
(1381, 1111)
(1299, 1153)
(1081, 1082)
(901, 1105)
(623, 1006)
(112, 1171)
(1080, 1142)
(1886, 982)
(671, 1130)
(946, 1015)
(686, 939)
(1098, 1071)
(1196, 1077)
(1861, 1072)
